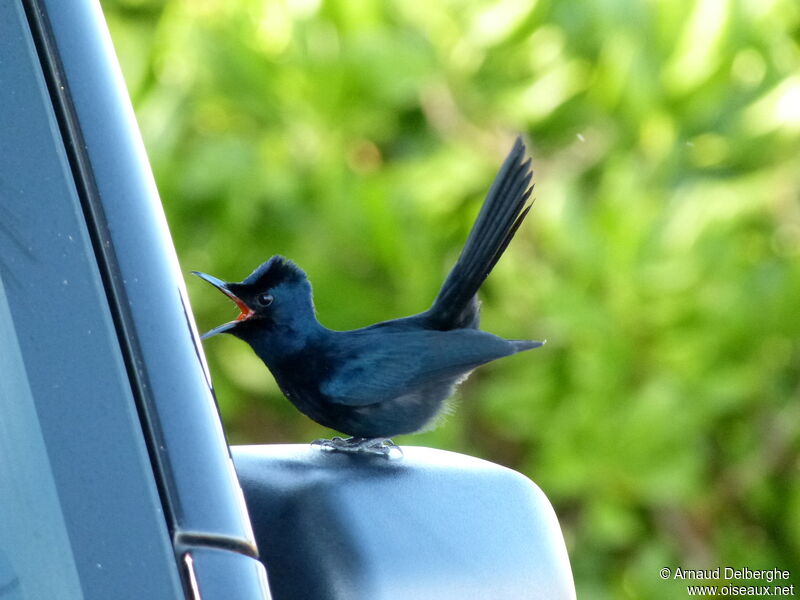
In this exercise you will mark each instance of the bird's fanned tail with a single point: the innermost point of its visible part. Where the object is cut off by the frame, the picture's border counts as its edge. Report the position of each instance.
(501, 215)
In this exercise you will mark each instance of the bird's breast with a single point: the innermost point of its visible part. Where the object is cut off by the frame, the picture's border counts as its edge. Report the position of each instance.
(300, 375)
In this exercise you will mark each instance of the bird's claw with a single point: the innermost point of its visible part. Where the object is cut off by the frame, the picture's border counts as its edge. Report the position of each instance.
(382, 446)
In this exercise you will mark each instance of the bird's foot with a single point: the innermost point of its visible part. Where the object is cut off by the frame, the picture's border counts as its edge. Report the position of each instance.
(382, 446)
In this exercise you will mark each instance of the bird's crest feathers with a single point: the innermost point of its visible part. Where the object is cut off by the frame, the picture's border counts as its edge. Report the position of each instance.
(273, 272)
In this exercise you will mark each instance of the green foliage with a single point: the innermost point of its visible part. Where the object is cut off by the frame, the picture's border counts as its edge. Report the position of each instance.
(660, 260)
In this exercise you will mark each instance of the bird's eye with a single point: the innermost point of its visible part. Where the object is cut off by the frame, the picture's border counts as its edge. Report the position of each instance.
(264, 299)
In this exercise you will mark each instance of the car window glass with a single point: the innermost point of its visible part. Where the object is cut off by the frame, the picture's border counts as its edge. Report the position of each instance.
(36, 560)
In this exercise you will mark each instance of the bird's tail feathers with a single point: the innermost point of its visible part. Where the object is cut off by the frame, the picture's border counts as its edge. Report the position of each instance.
(522, 345)
(502, 213)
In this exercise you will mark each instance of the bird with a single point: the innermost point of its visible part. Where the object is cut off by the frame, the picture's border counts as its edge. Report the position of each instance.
(394, 377)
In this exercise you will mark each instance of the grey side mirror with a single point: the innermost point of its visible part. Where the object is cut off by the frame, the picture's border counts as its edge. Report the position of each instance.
(432, 524)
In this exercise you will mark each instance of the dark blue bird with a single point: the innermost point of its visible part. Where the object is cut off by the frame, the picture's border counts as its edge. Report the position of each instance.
(393, 377)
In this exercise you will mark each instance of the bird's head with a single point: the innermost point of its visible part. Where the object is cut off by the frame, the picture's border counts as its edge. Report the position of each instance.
(276, 295)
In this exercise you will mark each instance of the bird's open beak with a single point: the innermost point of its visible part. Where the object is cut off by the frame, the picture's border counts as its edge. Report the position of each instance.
(246, 311)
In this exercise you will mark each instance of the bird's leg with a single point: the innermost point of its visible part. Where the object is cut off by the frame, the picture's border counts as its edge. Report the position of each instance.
(382, 446)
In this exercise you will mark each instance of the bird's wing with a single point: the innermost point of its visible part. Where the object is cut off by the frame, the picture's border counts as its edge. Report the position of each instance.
(501, 215)
(385, 366)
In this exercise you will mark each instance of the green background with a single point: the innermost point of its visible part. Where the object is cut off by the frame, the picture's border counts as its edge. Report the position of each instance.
(661, 260)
